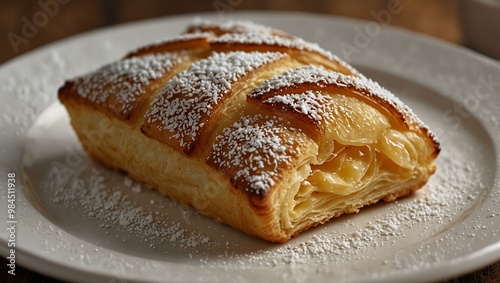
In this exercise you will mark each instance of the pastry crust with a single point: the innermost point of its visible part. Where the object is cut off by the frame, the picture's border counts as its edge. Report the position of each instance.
(251, 126)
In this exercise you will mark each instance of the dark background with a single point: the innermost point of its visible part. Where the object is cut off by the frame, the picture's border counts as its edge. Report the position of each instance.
(436, 18)
(440, 19)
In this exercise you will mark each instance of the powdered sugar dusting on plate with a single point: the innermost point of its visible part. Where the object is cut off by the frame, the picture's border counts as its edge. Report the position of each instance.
(111, 207)
(33, 89)
(107, 201)
(440, 204)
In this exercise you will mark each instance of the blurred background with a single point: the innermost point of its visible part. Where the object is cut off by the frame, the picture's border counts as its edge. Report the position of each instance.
(26, 25)
(55, 19)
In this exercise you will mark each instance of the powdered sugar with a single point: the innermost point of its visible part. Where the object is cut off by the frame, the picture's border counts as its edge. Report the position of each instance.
(274, 147)
(249, 33)
(312, 104)
(320, 77)
(184, 106)
(126, 79)
(33, 88)
(88, 191)
(261, 38)
(200, 24)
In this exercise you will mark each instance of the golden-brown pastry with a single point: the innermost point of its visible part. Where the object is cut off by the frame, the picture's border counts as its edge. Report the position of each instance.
(251, 126)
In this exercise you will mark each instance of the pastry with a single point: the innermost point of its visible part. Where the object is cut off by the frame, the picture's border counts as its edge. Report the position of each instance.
(251, 126)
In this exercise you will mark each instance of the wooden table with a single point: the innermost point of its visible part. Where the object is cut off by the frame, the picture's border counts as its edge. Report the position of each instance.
(436, 18)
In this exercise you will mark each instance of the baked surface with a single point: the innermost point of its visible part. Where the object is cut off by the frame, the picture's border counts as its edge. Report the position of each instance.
(251, 126)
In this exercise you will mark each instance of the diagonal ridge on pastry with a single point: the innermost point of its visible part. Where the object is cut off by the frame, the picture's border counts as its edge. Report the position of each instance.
(182, 112)
(251, 126)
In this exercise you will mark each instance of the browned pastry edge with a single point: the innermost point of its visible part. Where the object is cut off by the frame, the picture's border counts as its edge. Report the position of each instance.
(193, 45)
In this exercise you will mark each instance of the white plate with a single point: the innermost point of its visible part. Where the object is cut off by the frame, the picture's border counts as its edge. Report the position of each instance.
(120, 231)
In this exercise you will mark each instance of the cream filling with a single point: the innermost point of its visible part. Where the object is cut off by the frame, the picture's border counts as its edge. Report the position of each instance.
(353, 177)
(349, 122)
(365, 162)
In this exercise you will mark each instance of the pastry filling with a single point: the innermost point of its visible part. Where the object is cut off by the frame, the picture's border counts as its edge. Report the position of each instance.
(366, 162)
